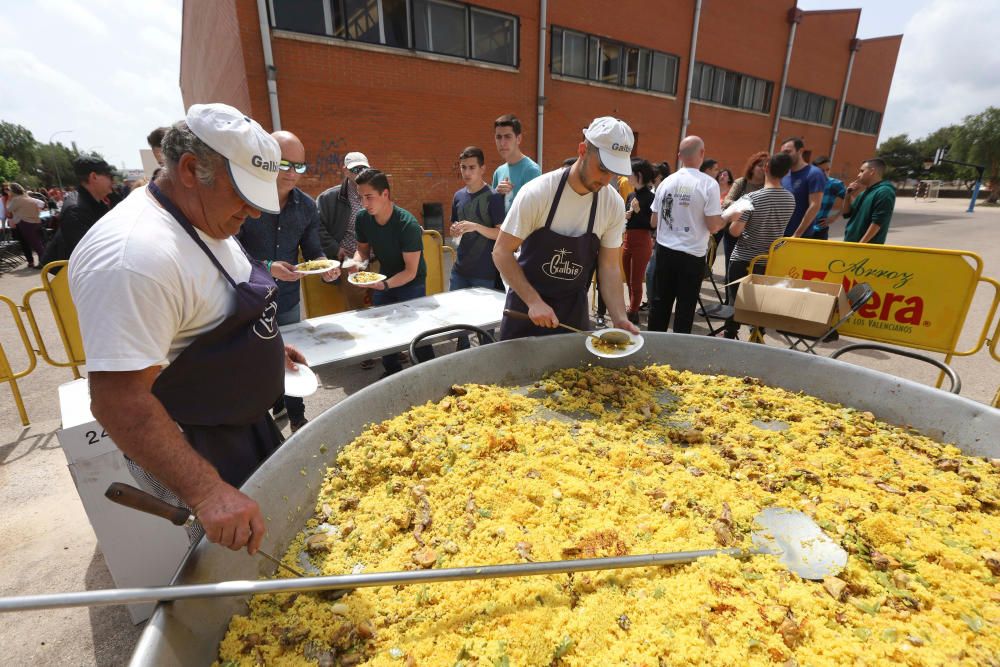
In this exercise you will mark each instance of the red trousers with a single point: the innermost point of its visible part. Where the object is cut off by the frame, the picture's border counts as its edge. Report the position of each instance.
(636, 252)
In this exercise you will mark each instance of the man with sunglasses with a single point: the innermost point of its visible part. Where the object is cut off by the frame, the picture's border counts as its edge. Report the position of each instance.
(275, 239)
(338, 209)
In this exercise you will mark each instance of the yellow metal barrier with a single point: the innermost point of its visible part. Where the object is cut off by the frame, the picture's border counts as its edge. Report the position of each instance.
(995, 353)
(434, 250)
(6, 374)
(320, 298)
(56, 288)
(922, 295)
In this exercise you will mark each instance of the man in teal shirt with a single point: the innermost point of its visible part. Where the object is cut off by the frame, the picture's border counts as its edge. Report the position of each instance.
(517, 168)
(869, 203)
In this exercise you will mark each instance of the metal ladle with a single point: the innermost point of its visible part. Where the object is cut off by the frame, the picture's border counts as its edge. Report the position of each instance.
(611, 337)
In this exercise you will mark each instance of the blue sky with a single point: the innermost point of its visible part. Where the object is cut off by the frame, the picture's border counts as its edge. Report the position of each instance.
(108, 70)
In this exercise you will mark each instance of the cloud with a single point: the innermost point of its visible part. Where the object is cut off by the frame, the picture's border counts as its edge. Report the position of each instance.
(75, 12)
(947, 68)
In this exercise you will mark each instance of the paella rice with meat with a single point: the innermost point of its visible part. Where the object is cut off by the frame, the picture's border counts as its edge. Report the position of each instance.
(603, 462)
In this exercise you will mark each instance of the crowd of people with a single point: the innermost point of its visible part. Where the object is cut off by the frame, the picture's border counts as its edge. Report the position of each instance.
(191, 275)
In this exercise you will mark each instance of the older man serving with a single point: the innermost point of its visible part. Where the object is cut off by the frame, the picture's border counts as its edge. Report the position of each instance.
(179, 326)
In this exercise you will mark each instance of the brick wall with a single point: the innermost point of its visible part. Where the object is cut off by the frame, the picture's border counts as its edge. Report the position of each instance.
(412, 114)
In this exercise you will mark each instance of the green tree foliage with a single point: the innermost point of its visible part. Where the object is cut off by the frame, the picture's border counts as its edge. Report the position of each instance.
(903, 156)
(9, 168)
(33, 164)
(977, 141)
(17, 142)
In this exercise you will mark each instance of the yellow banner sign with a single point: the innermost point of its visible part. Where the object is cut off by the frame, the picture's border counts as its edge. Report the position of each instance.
(921, 295)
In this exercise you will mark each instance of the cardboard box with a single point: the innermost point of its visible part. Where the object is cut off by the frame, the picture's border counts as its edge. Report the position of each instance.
(805, 307)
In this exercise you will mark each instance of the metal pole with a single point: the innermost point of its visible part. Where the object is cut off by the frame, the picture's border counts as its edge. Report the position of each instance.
(55, 162)
(542, 27)
(270, 71)
(975, 190)
(686, 117)
(794, 16)
(855, 45)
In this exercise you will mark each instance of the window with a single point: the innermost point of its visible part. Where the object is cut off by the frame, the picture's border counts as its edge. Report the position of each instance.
(861, 120)
(809, 107)
(714, 84)
(436, 26)
(584, 56)
(440, 27)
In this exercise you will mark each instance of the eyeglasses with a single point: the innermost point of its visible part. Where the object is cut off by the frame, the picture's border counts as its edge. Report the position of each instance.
(357, 170)
(299, 167)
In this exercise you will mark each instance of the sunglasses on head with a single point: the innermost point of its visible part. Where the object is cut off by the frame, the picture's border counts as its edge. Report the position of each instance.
(299, 167)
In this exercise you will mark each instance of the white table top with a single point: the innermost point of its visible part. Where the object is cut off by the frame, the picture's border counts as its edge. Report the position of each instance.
(366, 334)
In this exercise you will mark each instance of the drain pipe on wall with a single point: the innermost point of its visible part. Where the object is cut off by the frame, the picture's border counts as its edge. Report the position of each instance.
(270, 71)
(542, 27)
(855, 45)
(794, 17)
(686, 118)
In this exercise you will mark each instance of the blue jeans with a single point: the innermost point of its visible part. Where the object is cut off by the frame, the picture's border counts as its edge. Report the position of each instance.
(296, 406)
(459, 281)
(412, 290)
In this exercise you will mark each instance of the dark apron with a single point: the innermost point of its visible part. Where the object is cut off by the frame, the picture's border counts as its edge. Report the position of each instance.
(219, 389)
(559, 268)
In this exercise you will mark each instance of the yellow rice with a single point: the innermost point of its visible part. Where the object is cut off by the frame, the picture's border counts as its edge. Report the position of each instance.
(649, 463)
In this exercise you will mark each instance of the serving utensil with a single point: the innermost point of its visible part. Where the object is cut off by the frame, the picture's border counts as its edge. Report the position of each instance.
(789, 535)
(610, 337)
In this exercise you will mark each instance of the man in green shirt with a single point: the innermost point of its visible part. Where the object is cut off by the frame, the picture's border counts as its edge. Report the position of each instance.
(396, 238)
(869, 203)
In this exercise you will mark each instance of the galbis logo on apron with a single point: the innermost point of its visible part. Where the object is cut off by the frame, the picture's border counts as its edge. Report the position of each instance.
(266, 327)
(560, 267)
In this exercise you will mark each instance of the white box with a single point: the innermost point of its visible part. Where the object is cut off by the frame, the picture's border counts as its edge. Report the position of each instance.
(139, 549)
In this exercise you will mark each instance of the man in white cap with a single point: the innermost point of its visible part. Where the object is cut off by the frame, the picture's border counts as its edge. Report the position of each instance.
(179, 326)
(338, 209)
(564, 234)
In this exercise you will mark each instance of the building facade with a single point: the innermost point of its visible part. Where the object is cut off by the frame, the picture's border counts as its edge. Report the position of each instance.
(410, 83)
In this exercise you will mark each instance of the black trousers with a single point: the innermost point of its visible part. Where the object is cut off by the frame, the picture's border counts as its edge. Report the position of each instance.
(677, 279)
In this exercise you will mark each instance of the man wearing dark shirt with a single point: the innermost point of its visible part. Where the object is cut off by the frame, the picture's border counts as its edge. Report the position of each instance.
(396, 238)
(806, 183)
(96, 178)
(276, 239)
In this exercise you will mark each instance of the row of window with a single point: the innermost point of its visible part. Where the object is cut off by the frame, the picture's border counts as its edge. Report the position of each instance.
(809, 107)
(732, 89)
(464, 31)
(435, 26)
(590, 57)
(861, 120)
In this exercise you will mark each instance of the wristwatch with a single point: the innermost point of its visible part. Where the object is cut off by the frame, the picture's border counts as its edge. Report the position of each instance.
(385, 284)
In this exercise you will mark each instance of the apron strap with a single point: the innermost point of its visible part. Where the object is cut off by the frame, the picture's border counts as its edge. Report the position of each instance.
(558, 196)
(186, 225)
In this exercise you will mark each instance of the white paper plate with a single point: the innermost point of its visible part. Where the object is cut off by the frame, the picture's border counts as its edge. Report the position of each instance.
(351, 279)
(334, 265)
(637, 342)
(301, 382)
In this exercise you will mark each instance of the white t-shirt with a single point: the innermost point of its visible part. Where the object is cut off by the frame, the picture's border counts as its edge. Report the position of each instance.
(143, 288)
(531, 208)
(682, 202)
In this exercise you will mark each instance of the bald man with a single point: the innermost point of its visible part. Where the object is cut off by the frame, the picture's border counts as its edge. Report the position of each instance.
(687, 209)
(275, 239)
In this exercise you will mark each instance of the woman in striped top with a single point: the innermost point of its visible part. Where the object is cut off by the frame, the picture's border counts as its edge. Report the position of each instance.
(757, 228)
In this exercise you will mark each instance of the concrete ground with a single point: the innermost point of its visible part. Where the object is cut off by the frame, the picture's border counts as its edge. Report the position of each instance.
(47, 544)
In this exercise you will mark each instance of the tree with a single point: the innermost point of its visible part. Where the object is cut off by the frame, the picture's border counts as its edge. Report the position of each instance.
(17, 142)
(977, 140)
(9, 169)
(903, 156)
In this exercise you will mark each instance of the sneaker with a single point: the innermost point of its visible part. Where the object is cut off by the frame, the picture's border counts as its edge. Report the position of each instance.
(278, 413)
(297, 423)
(368, 364)
(644, 306)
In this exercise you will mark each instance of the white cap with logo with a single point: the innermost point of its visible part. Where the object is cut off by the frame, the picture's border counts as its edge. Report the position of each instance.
(252, 155)
(614, 140)
(352, 160)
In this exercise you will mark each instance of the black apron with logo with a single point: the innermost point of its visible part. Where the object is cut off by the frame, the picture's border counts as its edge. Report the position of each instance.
(219, 389)
(559, 267)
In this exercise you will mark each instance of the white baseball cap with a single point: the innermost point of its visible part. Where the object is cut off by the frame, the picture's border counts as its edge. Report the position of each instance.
(614, 140)
(252, 155)
(352, 160)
